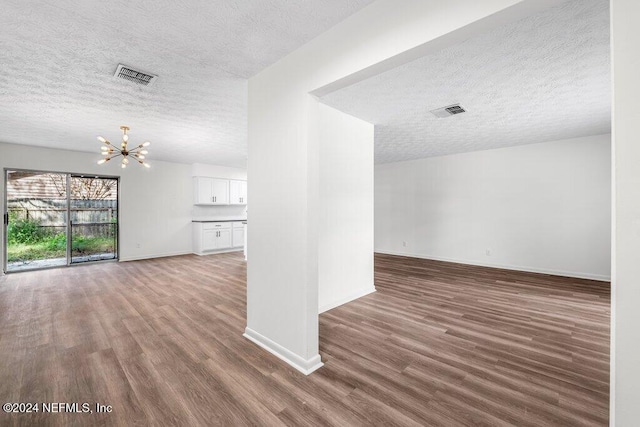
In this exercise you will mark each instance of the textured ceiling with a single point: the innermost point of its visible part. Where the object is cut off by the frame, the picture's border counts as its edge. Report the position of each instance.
(57, 59)
(544, 78)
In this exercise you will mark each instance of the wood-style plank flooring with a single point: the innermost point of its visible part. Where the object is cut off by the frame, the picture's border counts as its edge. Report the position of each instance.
(439, 344)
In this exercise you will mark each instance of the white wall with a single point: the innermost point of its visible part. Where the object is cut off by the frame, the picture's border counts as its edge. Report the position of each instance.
(345, 262)
(217, 171)
(539, 207)
(155, 203)
(625, 307)
(283, 164)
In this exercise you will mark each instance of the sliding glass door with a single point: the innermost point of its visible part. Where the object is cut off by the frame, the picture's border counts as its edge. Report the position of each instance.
(94, 218)
(35, 220)
(57, 219)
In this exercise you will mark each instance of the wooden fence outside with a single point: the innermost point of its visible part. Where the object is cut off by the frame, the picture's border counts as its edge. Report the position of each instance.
(94, 218)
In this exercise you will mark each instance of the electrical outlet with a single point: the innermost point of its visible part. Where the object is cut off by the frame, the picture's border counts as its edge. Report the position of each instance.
(138, 245)
(488, 252)
(404, 244)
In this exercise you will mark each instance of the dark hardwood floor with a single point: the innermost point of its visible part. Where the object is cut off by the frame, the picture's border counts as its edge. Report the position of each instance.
(439, 344)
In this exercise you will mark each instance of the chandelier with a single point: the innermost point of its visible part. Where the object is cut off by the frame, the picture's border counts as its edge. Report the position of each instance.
(109, 151)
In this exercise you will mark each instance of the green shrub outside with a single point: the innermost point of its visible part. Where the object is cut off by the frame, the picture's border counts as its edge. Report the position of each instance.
(57, 242)
(25, 231)
(27, 240)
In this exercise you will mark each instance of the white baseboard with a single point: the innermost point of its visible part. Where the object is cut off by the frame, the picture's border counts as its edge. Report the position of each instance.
(589, 276)
(352, 297)
(162, 255)
(302, 365)
(221, 251)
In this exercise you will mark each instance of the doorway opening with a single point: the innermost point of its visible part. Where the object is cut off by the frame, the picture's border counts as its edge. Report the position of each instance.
(55, 219)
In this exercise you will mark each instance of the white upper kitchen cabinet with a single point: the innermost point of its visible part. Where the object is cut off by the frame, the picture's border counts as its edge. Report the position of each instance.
(211, 191)
(220, 191)
(202, 191)
(237, 192)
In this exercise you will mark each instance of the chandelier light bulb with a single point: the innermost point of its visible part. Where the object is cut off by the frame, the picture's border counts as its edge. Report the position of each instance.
(102, 161)
(101, 139)
(125, 137)
(146, 144)
(144, 152)
(146, 165)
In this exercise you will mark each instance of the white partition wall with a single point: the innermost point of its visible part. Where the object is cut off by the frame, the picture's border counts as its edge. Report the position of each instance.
(345, 263)
(625, 298)
(282, 276)
(284, 151)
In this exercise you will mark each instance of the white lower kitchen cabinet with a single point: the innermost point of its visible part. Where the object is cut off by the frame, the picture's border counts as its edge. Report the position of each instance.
(238, 234)
(212, 237)
(208, 240)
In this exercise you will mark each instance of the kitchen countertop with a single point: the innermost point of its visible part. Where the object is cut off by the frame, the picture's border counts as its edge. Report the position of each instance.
(218, 220)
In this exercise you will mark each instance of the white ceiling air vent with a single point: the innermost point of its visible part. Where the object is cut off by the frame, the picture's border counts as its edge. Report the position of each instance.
(448, 111)
(136, 76)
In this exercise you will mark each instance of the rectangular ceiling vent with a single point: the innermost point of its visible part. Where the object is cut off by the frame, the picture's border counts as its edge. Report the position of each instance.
(448, 111)
(136, 76)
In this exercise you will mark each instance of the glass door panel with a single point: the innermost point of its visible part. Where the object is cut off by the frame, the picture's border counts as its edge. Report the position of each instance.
(93, 206)
(35, 220)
